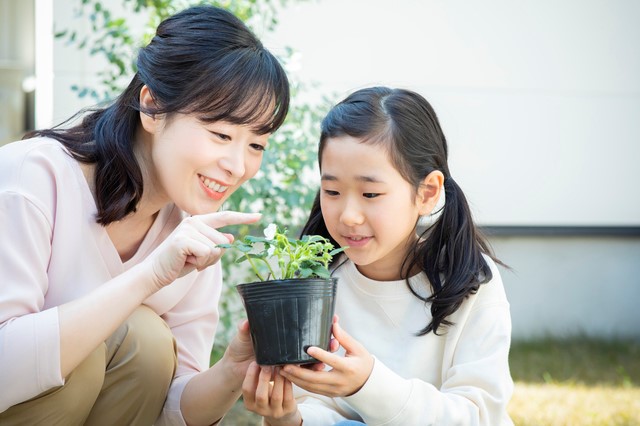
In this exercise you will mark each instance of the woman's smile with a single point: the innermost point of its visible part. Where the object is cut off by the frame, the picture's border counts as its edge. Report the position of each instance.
(212, 188)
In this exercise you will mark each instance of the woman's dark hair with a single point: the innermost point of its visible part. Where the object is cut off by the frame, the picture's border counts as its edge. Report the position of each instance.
(450, 251)
(202, 61)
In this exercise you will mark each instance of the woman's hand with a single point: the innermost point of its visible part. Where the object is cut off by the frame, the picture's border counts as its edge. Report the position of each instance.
(347, 374)
(193, 245)
(239, 354)
(270, 395)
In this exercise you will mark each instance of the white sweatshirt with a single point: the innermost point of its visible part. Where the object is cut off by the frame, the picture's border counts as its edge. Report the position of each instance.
(459, 378)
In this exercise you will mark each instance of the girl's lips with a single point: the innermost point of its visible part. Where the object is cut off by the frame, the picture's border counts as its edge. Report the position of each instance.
(357, 241)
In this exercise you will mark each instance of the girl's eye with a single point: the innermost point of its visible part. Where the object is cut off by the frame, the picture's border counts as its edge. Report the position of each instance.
(331, 193)
(370, 195)
(257, 147)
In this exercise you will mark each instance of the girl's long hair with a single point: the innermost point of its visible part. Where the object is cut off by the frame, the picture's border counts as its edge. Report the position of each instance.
(450, 252)
(202, 61)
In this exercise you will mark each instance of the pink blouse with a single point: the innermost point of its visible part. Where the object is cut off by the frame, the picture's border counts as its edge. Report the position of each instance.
(52, 251)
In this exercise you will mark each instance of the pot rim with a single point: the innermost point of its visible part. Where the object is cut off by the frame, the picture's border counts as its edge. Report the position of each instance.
(289, 281)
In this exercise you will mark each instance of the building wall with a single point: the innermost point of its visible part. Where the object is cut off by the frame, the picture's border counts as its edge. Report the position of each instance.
(74, 67)
(540, 103)
(568, 285)
(16, 65)
(539, 100)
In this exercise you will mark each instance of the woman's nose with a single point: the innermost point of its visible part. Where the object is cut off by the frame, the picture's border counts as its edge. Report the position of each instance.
(233, 161)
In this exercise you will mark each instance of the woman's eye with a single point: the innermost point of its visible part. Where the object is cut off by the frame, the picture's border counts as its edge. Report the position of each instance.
(331, 193)
(257, 147)
(222, 136)
(370, 195)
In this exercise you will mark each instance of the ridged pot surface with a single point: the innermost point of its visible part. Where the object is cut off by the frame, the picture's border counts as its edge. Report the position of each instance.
(288, 316)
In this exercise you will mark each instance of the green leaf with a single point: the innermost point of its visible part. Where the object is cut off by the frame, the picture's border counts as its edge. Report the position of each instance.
(241, 259)
(254, 239)
(245, 248)
(322, 272)
(338, 250)
(305, 272)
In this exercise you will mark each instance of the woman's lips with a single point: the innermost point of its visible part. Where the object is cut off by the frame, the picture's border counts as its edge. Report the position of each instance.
(213, 189)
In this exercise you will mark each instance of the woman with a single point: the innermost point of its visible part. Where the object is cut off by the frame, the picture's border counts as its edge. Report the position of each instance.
(109, 228)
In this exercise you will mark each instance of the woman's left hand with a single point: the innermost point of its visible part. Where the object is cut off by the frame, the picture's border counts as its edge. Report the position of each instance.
(347, 374)
(239, 353)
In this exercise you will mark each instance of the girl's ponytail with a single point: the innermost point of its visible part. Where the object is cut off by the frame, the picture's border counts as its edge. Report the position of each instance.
(451, 254)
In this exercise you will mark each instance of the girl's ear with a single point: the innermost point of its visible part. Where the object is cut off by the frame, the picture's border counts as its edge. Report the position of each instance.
(149, 122)
(429, 192)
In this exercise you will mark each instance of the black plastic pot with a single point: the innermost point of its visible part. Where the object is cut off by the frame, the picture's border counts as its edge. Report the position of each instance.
(288, 316)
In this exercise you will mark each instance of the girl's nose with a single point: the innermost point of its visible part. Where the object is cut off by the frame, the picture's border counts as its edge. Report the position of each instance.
(232, 161)
(352, 214)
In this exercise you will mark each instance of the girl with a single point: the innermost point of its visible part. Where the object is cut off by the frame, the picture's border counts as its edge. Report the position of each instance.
(108, 303)
(424, 322)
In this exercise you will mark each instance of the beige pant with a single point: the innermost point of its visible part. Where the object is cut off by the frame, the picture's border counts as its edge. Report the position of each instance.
(123, 382)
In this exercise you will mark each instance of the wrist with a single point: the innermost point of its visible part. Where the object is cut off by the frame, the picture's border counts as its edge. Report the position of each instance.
(137, 282)
(230, 371)
(293, 419)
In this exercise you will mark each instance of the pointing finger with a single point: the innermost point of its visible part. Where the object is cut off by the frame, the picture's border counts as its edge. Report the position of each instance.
(225, 218)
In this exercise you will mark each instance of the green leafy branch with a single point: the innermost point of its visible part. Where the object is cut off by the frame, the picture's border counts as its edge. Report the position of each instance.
(307, 257)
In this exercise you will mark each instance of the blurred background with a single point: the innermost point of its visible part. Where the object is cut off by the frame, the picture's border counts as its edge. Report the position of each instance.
(540, 103)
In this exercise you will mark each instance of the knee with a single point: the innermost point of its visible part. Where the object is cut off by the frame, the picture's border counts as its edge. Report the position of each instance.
(67, 404)
(83, 385)
(151, 349)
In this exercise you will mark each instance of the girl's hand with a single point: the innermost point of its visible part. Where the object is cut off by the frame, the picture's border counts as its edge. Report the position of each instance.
(347, 375)
(267, 393)
(193, 245)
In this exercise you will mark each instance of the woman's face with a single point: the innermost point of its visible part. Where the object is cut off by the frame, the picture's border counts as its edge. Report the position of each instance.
(368, 206)
(198, 165)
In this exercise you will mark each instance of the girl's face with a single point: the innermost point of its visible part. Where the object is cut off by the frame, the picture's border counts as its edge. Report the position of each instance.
(198, 165)
(368, 206)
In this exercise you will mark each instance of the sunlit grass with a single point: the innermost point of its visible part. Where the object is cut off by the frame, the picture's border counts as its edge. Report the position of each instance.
(575, 381)
(570, 404)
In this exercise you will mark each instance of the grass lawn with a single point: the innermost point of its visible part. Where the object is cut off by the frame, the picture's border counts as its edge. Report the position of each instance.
(576, 381)
(569, 382)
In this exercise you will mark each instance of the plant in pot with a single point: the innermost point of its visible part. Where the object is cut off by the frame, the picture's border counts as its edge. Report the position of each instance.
(291, 306)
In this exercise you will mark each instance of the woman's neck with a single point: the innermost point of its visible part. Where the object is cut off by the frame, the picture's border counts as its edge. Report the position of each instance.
(153, 199)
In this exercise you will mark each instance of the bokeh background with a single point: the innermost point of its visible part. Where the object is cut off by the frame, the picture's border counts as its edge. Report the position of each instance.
(540, 102)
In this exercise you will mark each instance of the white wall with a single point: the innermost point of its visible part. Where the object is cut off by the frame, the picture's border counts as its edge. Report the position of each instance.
(572, 285)
(16, 64)
(540, 100)
(76, 67)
